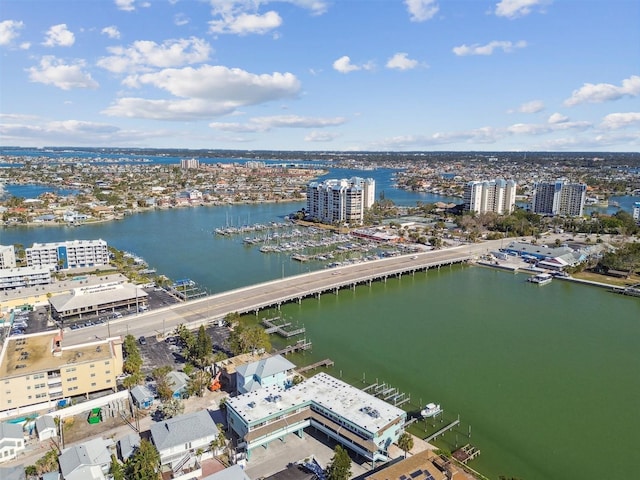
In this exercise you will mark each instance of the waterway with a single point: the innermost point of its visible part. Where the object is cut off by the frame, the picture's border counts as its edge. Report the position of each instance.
(546, 376)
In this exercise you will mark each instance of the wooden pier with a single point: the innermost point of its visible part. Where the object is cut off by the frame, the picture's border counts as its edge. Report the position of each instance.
(296, 347)
(443, 430)
(280, 328)
(466, 453)
(327, 362)
(387, 393)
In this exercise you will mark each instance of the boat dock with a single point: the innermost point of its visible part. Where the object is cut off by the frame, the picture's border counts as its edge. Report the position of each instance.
(466, 453)
(296, 347)
(387, 393)
(327, 362)
(280, 328)
(444, 429)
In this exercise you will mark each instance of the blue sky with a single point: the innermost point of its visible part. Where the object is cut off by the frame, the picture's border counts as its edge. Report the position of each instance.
(391, 75)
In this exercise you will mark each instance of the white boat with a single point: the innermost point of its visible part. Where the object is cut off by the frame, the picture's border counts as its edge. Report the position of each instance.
(540, 278)
(431, 410)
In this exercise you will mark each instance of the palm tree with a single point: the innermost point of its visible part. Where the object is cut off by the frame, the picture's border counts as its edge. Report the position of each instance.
(405, 442)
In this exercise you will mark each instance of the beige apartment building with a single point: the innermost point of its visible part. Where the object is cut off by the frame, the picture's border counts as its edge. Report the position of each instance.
(38, 371)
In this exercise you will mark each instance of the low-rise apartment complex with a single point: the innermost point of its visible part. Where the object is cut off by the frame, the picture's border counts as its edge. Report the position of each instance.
(38, 371)
(69, 255)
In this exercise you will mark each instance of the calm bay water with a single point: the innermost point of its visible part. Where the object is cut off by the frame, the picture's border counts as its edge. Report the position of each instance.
(548, 377)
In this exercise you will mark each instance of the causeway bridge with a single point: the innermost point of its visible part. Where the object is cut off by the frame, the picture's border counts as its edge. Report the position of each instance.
(273, 294)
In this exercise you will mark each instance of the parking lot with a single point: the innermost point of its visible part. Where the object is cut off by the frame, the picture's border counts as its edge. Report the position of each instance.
(158, 352)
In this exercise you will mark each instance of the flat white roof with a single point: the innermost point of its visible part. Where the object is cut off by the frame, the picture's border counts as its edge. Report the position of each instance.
(358, 407)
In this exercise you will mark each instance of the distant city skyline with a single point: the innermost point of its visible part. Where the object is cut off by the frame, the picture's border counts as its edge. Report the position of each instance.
(315, 75)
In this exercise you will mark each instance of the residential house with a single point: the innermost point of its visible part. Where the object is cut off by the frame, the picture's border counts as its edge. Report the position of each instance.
(46, 427)
(142, 397)
(90, 460)
(179, 439)
(275, 370)
(128, 445)
(234, 472)
(13, 473)
(11, 441)
(178, 382)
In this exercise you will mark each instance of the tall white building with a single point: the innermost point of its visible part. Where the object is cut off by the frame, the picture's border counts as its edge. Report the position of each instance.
(7, 256)
(559, 198)
(189, 163)
(636, 211)
(340, 201)
(70, 254)
(498, 196)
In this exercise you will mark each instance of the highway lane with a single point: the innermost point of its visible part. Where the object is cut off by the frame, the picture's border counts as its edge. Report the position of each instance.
(254, 297)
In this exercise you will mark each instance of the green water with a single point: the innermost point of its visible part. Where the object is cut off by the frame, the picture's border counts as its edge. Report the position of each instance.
(548, 377)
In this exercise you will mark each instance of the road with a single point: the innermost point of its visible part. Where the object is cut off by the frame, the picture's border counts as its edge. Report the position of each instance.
(255, 297)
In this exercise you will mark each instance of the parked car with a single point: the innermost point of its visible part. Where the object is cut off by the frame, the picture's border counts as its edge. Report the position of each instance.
(142, 341)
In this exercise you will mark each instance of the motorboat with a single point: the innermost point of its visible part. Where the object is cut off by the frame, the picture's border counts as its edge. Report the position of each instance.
(431, 410)
(541, 278)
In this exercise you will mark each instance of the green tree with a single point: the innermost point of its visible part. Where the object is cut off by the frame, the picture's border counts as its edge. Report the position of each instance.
(171, 408)
(116, 469)
(405, 442)
(198, 382)
(220, 441)
(144, 464)
(340, 466)
(133, 360)
(245, 339)
(201, 349)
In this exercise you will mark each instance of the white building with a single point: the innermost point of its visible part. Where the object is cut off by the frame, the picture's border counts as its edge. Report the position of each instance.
(7, 256)
(189, 163)
(69, 254)
(340, 201)
(179, 439)
(636, 211)
(359, 421)
(19, 277)
(559, 198)
(497, 196)
(11, 441)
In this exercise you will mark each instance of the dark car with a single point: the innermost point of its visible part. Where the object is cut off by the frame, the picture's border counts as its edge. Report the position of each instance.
(142, 341)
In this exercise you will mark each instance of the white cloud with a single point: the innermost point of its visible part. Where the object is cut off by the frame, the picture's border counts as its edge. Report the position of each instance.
(321, 136)
(9, 30)
(518, 8)
(143, 54)
(53, 71)
(477, 49)
(181, 19)
(421, 10)
(265, 124)
(246, 23)
(126, 5)
(204, 92)
(533, 106)
(344, 65)
(111, 31)
(614, 121)
(558, 118)
(540, 129)
(604, 92)
(401, 61)
(59, 36)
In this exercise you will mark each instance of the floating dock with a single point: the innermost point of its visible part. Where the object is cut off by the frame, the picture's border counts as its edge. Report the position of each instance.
(466, 453)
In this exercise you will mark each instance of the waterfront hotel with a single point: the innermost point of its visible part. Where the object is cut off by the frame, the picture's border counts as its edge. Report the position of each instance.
(559, 198)
(38, 371)
(68, 255)
(340, 201)
(359, 421)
